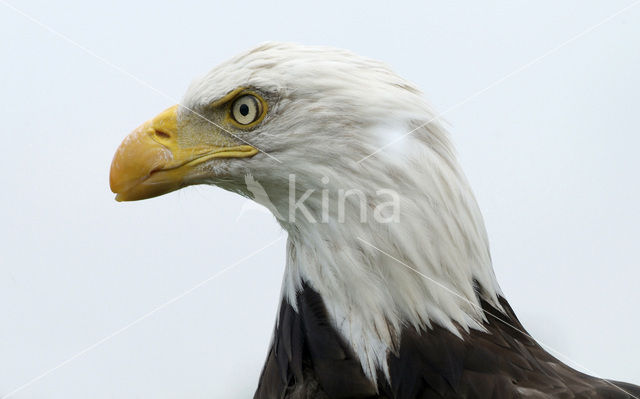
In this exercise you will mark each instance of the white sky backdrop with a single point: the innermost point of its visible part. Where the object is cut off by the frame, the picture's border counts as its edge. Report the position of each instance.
(552, 154)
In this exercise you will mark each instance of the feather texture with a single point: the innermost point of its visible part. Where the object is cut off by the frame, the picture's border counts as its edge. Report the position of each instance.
(308, 359)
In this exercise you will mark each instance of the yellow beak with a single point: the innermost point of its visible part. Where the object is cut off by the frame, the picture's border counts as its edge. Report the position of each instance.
(149, 162)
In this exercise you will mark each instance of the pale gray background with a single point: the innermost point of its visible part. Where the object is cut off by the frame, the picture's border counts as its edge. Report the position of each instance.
(552, 154)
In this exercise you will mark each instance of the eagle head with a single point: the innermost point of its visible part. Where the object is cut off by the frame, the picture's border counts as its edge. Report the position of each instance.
(275, 111)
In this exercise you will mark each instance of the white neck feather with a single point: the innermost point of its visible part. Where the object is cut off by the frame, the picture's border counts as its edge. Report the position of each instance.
(363, 270)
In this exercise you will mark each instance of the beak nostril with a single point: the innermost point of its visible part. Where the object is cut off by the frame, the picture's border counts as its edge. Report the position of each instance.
(162, 134)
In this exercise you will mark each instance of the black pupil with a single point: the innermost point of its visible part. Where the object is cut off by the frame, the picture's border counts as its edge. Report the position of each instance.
(244, 109)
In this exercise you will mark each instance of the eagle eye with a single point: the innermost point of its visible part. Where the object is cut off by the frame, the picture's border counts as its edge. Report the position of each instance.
(246, 109)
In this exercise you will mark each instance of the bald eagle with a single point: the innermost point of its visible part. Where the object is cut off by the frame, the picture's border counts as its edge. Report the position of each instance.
(389, 290)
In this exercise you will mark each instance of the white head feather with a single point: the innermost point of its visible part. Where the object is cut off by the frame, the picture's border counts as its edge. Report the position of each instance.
(328, 109)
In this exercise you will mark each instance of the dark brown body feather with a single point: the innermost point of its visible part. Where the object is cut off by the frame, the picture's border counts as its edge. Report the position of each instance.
(308, 359)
